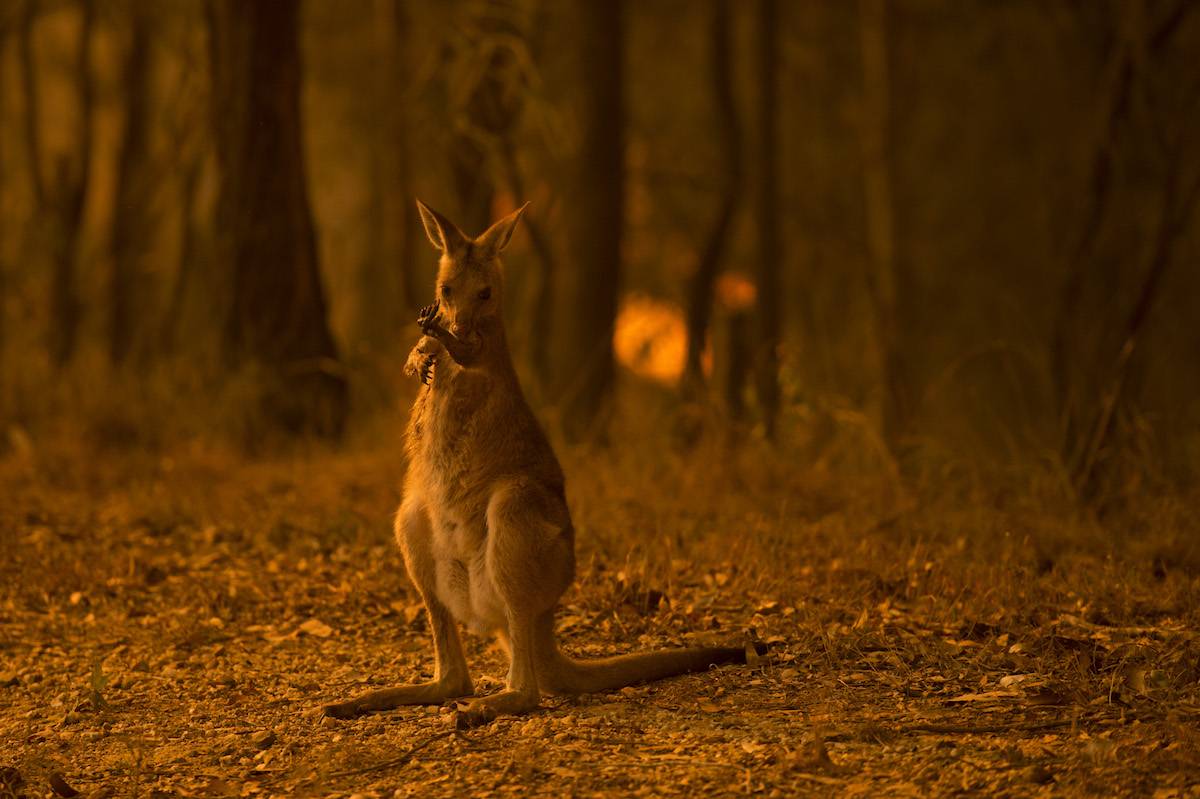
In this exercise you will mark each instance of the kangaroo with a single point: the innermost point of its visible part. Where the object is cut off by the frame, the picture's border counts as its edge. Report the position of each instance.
(483, 526)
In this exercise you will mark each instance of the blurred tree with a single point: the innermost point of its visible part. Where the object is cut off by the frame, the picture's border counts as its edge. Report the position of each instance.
(414, 281)
(189, 246)
(277, 316)
(541, 307)
(189, 160)
(875, 138)
(700, 294)
(133, 216)
(769, 253)
(519, 86)
(387, 294)
(483, 105)
(1064, 345)
(1142, 114)
(59, 206)
(739, 367)
(594, 219)
(185, 109)
(1177, 205)
(32, 103)
(5, 29)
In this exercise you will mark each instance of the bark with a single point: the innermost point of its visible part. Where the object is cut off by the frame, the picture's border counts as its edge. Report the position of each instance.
(594, 221)
(700, 294)
(769, 250)
(134, 200)
(875, 136)
(277, 317)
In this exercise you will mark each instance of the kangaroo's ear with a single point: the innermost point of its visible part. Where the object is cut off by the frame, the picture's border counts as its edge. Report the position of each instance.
(442, 233)
(495, 238)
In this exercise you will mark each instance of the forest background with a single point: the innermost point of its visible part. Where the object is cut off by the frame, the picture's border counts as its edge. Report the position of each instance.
(881, 301)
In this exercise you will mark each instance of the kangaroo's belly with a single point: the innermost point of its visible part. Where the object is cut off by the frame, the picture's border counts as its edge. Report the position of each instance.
(463, 583)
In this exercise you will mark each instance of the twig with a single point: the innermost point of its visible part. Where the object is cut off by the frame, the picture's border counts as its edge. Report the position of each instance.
(395, 761)
(817, 778)
(655, 762)
(983, 729)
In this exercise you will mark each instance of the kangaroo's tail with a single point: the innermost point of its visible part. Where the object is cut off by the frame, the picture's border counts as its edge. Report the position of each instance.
(562, 674)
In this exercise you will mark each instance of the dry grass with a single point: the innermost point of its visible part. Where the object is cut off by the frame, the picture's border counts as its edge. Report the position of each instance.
(173, 612)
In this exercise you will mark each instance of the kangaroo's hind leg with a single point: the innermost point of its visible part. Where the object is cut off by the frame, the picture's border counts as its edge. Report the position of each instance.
(452, 678)
(530, 562)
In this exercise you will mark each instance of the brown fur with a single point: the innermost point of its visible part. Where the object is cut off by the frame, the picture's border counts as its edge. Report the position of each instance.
(484, 526)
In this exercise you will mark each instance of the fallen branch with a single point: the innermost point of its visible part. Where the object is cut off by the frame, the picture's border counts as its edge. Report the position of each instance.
(395, 761)
(987, 729)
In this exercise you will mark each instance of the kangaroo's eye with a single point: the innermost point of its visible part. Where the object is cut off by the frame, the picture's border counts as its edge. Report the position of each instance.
(486, 294)
(446, 292)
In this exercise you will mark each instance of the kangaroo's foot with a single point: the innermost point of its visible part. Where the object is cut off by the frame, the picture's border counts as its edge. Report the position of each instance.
(428, 693)
(485, 709)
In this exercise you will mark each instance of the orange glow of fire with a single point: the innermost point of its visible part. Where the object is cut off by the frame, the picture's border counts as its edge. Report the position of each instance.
(650, 339)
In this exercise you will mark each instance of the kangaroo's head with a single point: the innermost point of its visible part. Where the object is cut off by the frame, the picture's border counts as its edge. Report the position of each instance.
(470, 281)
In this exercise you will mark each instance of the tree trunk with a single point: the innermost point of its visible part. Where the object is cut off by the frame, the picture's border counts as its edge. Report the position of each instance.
(1137, 46)
(4, 183)
(134, 200)
(594, 221)
(414, 282)
(277, 316)
(1065, 341)
(1177, 207)
(58, 205)
(66, 198)
(32, 102)
(539, 310)
(189, 254)
(882, 282)
(738, 360)
(473, 183)
(700, 295)
(489, 113)
(769, 252)
(384, 297)
(536, 313)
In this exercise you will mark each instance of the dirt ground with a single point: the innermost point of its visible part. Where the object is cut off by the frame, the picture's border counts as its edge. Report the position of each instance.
(170, 626)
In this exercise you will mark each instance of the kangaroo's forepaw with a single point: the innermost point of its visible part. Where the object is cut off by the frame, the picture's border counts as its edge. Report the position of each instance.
(427, 315)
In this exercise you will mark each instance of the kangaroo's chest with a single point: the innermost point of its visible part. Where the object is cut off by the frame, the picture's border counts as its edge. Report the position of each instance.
(448, 423)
